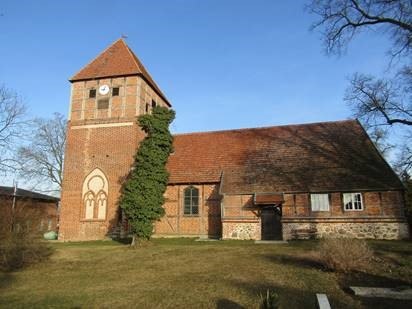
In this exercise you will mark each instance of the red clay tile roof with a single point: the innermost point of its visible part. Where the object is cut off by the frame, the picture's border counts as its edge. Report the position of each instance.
(328, 156)
(117, 60)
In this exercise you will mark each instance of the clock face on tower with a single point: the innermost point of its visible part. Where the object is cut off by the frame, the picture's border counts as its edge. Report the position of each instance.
(104, 89)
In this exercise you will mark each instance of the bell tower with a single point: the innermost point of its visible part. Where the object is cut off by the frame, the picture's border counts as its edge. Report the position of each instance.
(102, 137)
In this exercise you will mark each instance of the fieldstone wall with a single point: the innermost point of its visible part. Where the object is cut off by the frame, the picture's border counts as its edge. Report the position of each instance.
(371, 230)
(241, 230)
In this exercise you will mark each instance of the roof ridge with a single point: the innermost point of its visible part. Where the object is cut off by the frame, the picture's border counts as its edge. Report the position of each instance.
(144, 72)
(98, 55)
(265, 127)
(118, 59)
(133, 55)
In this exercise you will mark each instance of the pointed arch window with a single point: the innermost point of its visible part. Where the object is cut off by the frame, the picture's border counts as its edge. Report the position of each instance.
(191, 201)
(89, 205)
(95, 193)
(101, 205)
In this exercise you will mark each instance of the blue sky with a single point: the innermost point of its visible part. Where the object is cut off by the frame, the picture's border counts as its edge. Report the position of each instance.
(222, 64)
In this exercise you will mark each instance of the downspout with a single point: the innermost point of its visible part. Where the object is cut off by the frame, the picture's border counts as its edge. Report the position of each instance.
(221, 204)
(13, 205)
(222, 195)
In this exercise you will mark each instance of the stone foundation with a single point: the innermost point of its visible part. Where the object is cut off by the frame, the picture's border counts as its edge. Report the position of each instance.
(366, 230)
(241, 230)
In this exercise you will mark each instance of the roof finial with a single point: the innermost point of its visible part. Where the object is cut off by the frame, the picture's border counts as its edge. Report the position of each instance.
(124, 36)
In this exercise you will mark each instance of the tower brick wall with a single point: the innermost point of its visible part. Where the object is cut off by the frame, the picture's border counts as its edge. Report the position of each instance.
(104, 139)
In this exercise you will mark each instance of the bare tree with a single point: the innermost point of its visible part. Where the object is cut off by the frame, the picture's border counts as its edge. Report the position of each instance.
(341, 20)
(403, 164)
(380, 101)
(379, 136)
(12, 112)
(42, 160)
(377, 102)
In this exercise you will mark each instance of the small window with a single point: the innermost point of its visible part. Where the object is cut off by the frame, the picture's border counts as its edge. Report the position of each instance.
(92, 93)
(115, 91)
(147, 108)
(153, 104)
(352, 201)
(319, 202)
(191, 201)
(103, 104)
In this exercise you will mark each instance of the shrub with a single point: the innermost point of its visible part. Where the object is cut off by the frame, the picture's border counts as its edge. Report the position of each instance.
(19, 249)
(21, 241)
(270, 300)
(345, 254)
(143, 193)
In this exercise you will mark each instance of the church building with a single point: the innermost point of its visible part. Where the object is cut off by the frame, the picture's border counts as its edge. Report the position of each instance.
(280, 182)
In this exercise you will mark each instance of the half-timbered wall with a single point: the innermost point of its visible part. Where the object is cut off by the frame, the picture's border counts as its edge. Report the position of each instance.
(207, 223)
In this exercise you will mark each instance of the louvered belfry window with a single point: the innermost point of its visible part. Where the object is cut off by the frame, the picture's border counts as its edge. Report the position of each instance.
(103, 104)
(115, 91)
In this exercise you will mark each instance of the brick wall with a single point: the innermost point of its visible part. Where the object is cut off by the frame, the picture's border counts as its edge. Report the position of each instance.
(383, 204)
(134, 94)
(381, 217)
(106, 139)
(33, 214)
(240, 219)
(111, 149)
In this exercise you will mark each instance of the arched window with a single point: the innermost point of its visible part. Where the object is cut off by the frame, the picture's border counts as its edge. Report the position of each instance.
(101, 205)
(191, 201)
(95, 190)
(89, 204)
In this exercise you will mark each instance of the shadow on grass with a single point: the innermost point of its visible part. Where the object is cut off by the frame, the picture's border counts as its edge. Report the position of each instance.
(5, 279)
(384, 303)
(369, 280)
(124, 241)
(224, 303)
(304, 261)
(400, 247)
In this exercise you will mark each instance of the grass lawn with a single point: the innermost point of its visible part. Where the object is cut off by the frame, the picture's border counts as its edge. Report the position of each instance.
(183, 273)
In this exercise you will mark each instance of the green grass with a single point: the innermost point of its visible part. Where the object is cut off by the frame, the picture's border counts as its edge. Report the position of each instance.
(183, 273)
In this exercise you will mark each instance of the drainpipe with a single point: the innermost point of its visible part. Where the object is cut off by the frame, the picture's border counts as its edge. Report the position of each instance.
(13, 205)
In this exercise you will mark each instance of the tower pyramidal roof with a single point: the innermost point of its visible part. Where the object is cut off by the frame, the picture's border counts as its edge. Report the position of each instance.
(117, 60)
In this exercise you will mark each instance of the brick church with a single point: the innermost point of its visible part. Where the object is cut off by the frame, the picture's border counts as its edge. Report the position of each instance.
(280, 182)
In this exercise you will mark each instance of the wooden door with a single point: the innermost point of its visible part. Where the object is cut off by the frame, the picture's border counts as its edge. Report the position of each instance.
(271, 224)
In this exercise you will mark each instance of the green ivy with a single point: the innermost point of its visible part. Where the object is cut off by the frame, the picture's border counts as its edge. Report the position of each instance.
(142, 197)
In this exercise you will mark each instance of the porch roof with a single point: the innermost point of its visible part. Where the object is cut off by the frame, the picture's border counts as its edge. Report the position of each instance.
(268, 198)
